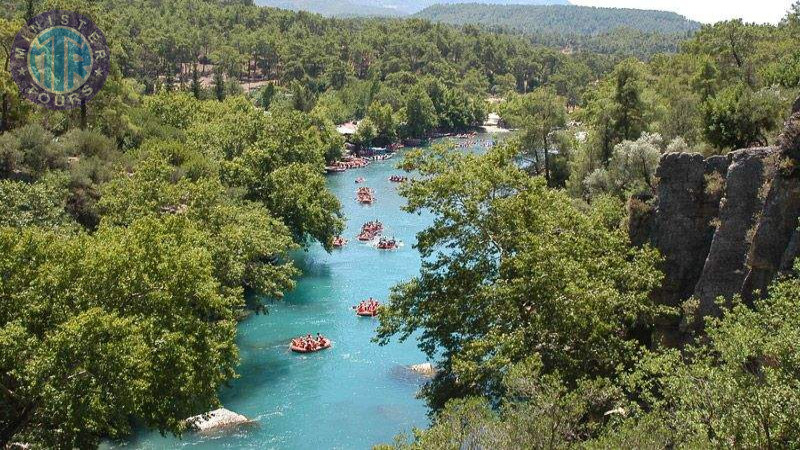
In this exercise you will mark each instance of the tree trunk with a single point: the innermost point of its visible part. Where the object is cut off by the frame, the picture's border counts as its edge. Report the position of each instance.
(4, 118)
(546, 162)
(83, 115)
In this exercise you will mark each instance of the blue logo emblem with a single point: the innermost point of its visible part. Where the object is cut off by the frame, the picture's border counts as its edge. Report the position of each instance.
(60, 60)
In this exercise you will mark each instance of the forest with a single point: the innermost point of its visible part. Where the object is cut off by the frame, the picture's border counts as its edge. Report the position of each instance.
(134, 232)
(639, 33)
(379, 8)
(560, 19)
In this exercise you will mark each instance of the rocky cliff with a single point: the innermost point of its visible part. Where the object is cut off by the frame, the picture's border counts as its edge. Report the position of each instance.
(725, 225)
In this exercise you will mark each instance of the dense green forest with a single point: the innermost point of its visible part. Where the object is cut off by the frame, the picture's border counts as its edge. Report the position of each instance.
(560, 19)
(346, 8)
(383, 8)
(132, 229)
(333, 69)
(634, 32)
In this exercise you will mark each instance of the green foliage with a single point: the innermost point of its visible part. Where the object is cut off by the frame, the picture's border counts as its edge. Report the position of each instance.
(382, 119)
(249, 147)
(560, 19)
(420, 114)
(541, 413)
(737, 117)
(219, 86)
(524, 272)
(366, 133)
(29, 152)
(538, 115)
(602, 30)
(631, 171)
(738, 386)
(265, 96)
(616, 109)
(628, 114)
(40, 204)
(529, 299)
(243, 239)
(128, 323)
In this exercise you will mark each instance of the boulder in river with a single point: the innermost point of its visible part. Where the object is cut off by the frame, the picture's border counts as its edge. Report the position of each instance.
(219, 419)
(426, 369)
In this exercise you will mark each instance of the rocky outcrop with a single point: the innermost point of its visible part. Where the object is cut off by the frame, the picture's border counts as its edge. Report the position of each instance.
(682, 224)
(725, 267)
(725, 225)
(775, 241)
(774, 246)
(217, 420)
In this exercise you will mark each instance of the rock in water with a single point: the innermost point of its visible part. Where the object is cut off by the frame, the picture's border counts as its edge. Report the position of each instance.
(426, 369)
(216, 420)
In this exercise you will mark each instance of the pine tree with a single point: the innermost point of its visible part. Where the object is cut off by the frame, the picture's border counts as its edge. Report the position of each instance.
(31, 10)
(196, 87)
(219, 86)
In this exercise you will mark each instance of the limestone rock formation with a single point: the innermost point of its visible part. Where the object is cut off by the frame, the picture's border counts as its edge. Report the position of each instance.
(682, 225)
(425, 369)
(725, 268)
(725, 225)
(774, 245)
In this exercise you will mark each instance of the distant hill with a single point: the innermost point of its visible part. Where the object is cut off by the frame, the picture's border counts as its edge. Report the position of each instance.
(338, 8)
(560, 19)
(386, 8)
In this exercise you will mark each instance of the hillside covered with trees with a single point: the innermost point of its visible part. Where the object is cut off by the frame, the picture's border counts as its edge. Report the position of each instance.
(559, 19)
(134, 231)
(380, 8)
(604, 30)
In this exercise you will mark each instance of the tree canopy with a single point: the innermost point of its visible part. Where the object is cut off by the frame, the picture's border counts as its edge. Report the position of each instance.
(512, 268)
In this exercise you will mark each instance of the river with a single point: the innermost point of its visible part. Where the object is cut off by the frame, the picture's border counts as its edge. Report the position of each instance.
(354, 395)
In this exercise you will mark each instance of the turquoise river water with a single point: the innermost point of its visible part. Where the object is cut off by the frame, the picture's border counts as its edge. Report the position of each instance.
(354, 395)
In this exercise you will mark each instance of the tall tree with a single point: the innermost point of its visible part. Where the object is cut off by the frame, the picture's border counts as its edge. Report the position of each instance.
(219, 85)
(629, 111)
(420, 114)
(196, 87)
(737, 117)
(511, 268)
(538, 115)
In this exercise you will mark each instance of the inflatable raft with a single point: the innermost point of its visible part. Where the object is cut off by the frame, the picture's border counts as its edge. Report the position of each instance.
(295, 347)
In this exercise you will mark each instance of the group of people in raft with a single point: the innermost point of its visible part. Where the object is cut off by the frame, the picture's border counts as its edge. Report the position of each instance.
(398, 179)
(309, 344)
(369, 230)
(476, 143)
(352, 163)
(368, 308)
(365, 195)
(387, 244)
